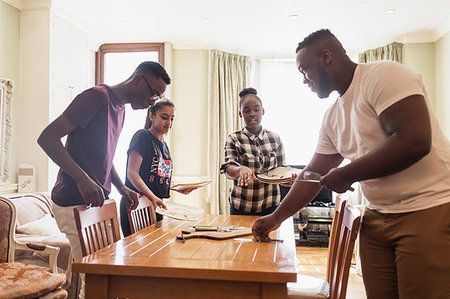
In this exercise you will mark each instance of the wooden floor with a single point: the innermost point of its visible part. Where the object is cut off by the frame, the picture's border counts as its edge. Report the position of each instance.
(313, 261)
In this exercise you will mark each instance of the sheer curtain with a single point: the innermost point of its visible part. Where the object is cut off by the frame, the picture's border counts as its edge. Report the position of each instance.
(229, 74)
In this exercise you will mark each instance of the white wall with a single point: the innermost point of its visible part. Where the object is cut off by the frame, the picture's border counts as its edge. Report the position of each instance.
(34, 90)
(442, 82)
(9, 68)
(55, 65)
(71, 72)
(189, 134)
(432, 61)
(421, 58)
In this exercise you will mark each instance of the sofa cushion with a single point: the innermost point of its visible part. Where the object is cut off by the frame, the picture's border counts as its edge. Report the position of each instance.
(44, 226)
(31, 207)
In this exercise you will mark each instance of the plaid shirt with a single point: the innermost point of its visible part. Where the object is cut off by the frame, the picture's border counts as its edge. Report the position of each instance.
(259, 153)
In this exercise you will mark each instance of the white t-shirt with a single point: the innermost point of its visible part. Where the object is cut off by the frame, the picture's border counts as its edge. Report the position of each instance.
(351, 127)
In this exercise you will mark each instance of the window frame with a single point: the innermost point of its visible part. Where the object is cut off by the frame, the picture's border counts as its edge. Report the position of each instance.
(123, 48)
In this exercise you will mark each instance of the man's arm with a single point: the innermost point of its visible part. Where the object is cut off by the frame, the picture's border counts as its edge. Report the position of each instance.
(301, 193)
(408, 129)
(298, 196)
(131, 196)
(50, 142)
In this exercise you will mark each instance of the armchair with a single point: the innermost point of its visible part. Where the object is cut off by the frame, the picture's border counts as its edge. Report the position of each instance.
(18, 280)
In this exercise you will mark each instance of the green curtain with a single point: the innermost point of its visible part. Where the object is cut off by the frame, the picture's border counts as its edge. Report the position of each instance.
(229, 74)
(393, 51)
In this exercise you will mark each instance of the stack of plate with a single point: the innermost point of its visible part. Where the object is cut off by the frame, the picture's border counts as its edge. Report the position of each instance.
(279, 175)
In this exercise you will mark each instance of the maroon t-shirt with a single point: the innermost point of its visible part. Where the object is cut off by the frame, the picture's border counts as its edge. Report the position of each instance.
(99, 117)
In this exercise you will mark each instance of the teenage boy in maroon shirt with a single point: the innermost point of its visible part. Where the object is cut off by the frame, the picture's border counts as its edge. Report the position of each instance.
(92, 124)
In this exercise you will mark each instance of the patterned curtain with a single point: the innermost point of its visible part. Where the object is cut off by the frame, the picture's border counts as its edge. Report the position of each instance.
(229, 74)
(392, 51)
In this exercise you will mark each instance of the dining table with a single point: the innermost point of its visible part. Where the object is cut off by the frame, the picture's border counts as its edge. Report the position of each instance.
(153, 263)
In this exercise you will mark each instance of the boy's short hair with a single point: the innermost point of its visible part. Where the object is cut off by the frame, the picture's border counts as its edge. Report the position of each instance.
(153, 68)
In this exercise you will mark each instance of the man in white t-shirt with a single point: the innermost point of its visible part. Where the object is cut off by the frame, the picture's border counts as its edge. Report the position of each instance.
(382, 122)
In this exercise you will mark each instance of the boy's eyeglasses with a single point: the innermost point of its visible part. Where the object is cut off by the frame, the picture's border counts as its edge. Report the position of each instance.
(154, 96)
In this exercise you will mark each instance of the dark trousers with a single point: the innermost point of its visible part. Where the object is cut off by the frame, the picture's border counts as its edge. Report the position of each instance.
(124, 222)
(267, 211)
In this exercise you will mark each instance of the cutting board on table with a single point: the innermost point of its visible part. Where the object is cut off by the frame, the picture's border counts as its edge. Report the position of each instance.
(215, 235)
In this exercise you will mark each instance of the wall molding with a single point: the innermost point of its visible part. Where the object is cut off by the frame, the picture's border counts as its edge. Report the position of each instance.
(6, 93)
(30, 4)
(8, 189)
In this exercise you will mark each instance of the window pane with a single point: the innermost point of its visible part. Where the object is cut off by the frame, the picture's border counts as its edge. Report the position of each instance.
(117, 68)
(291, 109)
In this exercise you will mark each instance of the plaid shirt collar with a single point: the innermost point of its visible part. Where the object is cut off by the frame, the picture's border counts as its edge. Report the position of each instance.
(262, 134)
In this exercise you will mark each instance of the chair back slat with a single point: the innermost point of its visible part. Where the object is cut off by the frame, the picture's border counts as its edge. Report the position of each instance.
(143, 216)
(351, 220)
(341, 203)
(102, 234)
(97, 227)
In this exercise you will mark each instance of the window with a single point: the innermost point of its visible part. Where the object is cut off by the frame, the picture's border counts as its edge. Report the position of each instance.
(292, 110)
(114, 64)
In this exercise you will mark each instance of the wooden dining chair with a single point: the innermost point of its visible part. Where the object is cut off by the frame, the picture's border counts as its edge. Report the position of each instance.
(335, 287)
(143, 216)
(97, 227)
(336, 225)
(19, 280)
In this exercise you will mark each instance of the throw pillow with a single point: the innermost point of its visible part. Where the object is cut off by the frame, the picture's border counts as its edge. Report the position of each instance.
(45, 226)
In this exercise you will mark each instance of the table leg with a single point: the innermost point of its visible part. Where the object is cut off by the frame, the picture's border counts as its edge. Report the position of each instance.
(273, 290)
(96, 286)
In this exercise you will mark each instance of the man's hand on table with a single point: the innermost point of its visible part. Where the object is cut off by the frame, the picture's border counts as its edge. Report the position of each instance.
(263, 226)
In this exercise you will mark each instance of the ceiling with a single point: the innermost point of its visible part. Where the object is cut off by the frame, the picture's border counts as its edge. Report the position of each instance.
(258, 28)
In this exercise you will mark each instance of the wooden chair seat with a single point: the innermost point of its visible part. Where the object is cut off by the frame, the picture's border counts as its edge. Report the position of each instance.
(342, 242)
(308, 287)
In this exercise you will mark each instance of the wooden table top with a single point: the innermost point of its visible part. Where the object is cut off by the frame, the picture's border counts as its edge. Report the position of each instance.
(155, 252)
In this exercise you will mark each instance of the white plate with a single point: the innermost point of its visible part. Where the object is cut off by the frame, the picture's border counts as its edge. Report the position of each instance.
(184, 186)
(180, 211)
(278, 174)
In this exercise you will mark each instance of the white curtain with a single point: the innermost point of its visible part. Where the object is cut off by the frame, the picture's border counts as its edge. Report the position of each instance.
(229, 74)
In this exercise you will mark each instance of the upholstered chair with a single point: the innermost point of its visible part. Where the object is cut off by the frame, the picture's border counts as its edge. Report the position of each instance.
(18, 280)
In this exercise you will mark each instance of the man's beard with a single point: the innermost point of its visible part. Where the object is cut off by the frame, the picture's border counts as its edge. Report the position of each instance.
(324, 88)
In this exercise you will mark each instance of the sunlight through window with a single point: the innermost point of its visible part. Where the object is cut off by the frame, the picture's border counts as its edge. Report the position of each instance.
(117, 68)
(292, 110)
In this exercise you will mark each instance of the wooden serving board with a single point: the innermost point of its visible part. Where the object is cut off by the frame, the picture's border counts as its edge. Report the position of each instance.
(215, 235)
